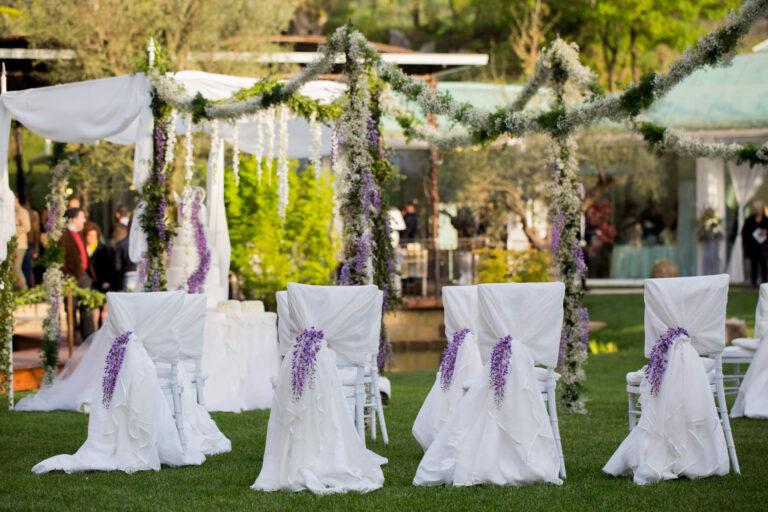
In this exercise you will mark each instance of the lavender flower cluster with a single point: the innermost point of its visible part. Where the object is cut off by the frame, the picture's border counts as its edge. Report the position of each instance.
(583, 327)
(657, 363)
(196, 281)
(500, 355)
(578, 258)
(112, 366)
(385, 350)
(558, 223)
(373, 136)
(448, 364)
(51, 220)
(563, 342)
(305, 360)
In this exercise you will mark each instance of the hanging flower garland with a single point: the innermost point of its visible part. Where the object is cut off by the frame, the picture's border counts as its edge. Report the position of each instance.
(304, 362)
(196, 281)
(189, 150)
(282, 163)
(259, 154)
(53, 277)
(316, 135)
(657, 362)
(112, 365)
(270, 127)
(7, 308)
(448, 362)
(236, 153)
(499, 367)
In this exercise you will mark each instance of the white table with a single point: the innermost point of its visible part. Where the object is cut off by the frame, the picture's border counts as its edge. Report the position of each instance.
(240, 356)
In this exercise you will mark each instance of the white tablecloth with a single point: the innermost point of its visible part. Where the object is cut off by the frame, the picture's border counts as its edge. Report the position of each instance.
(240, 357)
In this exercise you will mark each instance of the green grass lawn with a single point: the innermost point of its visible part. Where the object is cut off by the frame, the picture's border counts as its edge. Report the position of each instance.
(223, 481)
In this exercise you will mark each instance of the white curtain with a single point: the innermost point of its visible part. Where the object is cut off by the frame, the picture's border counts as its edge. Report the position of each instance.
(746, 181)
(217, 218)
(110, 108)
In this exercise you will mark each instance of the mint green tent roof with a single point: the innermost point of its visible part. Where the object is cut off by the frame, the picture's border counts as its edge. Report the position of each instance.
(711, 98)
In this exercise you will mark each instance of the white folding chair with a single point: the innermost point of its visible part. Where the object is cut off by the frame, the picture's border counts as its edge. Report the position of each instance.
(162, 342)
(192, 336)
(696, 304)
(740, 352)
(535, 312)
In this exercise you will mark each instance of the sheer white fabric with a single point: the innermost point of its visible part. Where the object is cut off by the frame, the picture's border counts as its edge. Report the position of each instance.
(511, 443)
(746, 181)
(752, 400)
(241, 359)
(679, 432)
(137, 431)
(311, 442)
(761, 322)
(460, 304)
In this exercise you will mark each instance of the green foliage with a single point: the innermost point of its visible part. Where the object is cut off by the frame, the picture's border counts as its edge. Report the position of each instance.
(265, 255)
(7, 307)
(90, 298)
(503, 266)
(748, 153)
(652, 133)
(638, 97)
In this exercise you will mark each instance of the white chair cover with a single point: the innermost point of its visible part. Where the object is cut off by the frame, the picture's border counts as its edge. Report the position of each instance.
(460, 305)
(137, 432)
(286, 330)
(531, 312)
(752, 400)
(511, 443)
(192, 326)
(679, 432)
(311, 442)
(200, 430)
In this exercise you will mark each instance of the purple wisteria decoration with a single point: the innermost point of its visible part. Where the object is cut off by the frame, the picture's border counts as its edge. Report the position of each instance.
(558, 223)
(448, 364)
(196, 281)
(563, 341)
(305, 360)
(112, 365)
(385, 350)
(584, 327)
(499, 369)
(578, 258)
(657, 362)
(51, 220)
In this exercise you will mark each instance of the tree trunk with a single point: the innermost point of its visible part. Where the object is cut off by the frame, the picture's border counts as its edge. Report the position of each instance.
(633, 54)
(415, 14)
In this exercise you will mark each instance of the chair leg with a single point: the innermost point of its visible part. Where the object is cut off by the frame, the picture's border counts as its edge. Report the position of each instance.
(199, 383)
(723, 409)
(631, 407)
(177, 414)
(360, 403)
(552, 406)
(379, 408)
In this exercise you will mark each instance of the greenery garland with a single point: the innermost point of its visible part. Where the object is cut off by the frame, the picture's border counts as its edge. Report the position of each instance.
(384, 270)
(7, 307)
(89, 298)
(53, 277)
(153, 217)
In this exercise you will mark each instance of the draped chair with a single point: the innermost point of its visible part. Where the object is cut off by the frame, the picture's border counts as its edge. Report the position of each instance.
(360, 382)
(311, 439)
(678, 432)
(460, 363)
(192, 336)
(501, 432)
(130, 427)
(741, 351)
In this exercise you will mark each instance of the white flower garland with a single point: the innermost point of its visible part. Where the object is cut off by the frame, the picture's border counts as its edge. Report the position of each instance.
(259, 154)
(189, 159)
(282, 163)
(316, 134)
(216, 146)
(236, 153)
(170, 144)
(270, 126)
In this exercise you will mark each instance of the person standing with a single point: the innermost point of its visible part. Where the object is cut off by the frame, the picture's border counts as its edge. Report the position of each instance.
(23, 228)
(120, 229)
(127, 277)
(101, 261)
(754, 236)
(411, 219)
(33, 249)
(76, 264)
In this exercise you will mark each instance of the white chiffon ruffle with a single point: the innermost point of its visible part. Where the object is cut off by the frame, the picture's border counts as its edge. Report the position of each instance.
(312, 443)
(440, 404)
(510, 444)
(136, 433)
(752, 400)
(679, 432)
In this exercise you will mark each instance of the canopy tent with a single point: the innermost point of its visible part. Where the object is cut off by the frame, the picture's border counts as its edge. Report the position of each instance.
(118, 110)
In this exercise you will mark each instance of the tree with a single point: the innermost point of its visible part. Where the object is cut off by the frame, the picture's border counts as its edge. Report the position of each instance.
(109, 36)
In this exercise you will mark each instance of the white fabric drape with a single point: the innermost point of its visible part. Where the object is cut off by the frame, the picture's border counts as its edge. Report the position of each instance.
(746, 181)
(510, 443)
(115, 109)
(221, 252)
(679, 432)
(696, 304)
(460, 303)
(311, 442)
